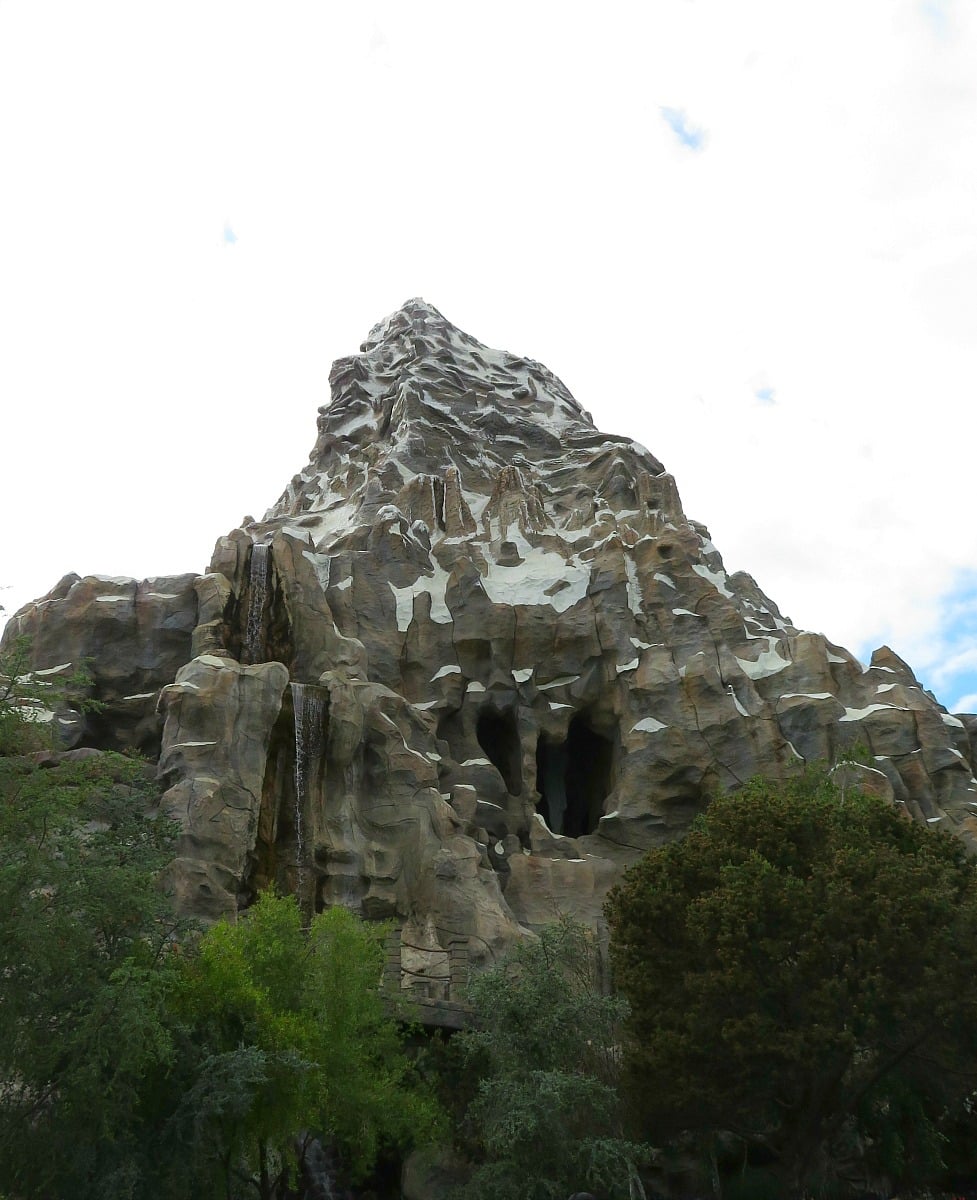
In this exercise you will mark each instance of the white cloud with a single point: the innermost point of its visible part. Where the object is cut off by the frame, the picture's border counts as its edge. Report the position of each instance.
(162, 388)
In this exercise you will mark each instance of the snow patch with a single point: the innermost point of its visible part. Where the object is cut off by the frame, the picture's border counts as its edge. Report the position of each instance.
(450, 669)
(856, 714)
(648, 725)
(561, 682)
(768, 663)
(718, 579)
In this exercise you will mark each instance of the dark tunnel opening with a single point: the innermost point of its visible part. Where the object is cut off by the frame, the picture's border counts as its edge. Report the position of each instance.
(573, 779)
(499, 738)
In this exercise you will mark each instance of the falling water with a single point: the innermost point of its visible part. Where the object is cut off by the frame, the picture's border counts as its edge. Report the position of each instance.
(309, 708)
(260, 570)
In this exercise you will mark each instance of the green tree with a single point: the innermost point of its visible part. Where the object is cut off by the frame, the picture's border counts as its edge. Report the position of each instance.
(290, 1039)
(546, 1116)
(802, 974)
(29, 698)
(85, 939)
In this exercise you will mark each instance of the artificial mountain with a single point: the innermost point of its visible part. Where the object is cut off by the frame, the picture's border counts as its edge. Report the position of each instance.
(472, 663)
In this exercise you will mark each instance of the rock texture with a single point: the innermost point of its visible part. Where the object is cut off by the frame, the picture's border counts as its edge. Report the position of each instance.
(473, 662)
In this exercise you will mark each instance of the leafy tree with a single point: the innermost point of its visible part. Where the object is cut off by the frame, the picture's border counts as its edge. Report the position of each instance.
(546, 1114)
(802, 973)
(291, 1040)
(84, 957)
(28, 698)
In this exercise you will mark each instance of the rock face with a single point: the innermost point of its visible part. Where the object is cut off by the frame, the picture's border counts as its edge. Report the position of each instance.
(473, 662)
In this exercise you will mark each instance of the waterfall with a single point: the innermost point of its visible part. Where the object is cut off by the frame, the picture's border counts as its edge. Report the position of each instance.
(260, 570)
(310, 712)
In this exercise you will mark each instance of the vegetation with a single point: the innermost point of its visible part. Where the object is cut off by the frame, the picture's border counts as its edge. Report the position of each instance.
(85, 959)
(545, 1117)
(797, 1012)
(802, 974)
(288, 1041)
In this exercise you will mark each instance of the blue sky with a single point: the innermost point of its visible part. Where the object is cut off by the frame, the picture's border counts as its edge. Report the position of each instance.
(742, 234)
(689, 135)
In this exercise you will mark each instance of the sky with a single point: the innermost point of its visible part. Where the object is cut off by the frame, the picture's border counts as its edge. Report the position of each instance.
(743, 234)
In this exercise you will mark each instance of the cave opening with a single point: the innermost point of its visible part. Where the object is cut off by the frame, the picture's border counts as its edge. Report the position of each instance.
(499, 738)
(573, 778)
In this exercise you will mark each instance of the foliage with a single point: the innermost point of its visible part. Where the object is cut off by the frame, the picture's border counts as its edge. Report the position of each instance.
(546, 1110)
(802, 972)
(28, 697)
(291, 1039)
(84, 953)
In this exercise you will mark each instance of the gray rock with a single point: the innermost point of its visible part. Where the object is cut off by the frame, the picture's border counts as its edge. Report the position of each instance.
(515, 663)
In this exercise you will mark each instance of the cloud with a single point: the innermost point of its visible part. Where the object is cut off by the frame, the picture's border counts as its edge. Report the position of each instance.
(936, 14)
(765, 395)
(230, 237)
(944, 658)
(691, 136)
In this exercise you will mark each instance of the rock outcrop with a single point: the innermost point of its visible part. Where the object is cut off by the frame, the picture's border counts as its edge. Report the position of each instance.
(473, 662)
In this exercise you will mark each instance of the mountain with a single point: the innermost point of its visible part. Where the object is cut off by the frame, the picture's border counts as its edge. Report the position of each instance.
(472, 663)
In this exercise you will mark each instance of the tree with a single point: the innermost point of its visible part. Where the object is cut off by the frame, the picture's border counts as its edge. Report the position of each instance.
(802, 973)
(291, 1041)
(85, 940)
(546, 1113)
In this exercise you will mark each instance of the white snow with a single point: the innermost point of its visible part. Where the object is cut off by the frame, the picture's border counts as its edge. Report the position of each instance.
(140, 696)
(51, 670)
(529, 581)
(664, 579)
(522, 674)
(629, 666)
(181, 745)
(856, 714)
(718, 579)
(161, 595)
(634, 585)
(476, 762)
(954, 722)
(807, 696)
(836, 658)
(683, 612)
(640, 645)
(933, 820)
(435, 586)
(739, 707)
(111, 599)
(450, 669)
(885, 687)
(475, 686)
(648, 725)
(554, 705)
(768, 663)
(564, 679)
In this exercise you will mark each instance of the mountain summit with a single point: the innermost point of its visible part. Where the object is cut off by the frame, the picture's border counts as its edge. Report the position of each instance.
(472, 663)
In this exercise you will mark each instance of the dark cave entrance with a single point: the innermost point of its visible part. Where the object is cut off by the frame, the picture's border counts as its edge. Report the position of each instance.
(499, 738)
(573, 779)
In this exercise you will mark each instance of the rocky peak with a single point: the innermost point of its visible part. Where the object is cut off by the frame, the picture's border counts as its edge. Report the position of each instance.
(473, 662)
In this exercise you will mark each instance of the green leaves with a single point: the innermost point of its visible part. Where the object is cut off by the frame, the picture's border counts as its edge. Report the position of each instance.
(288, 1035)
(546, 1111)
(85, 957)
(802, 958)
